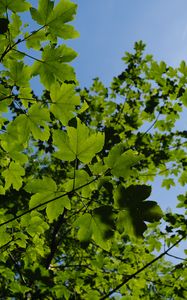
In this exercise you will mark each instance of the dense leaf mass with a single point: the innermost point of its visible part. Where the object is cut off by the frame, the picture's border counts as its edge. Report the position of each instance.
(77, 217)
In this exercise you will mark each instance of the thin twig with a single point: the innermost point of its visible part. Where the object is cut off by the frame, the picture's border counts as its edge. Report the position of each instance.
(30, 56)
(177, 257)
(46, 202)
(54, 241)
(141, 269)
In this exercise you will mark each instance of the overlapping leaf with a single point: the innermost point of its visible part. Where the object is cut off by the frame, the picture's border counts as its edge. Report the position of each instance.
(78, 143)
(121, 162)
(97, 226)
(64, 101)
(45, 189)
(53, 65)
(134, 210)
(15, 6)
(14, 176)
(56, 17)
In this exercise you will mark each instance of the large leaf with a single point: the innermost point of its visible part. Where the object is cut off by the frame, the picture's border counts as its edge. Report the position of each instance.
(134, 210)
(56, 17)
(64, 101)
(53, 66)
(45, 184)
(78, 143)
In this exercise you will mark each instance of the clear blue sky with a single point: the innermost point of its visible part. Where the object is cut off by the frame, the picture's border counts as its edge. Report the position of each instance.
(108, 28)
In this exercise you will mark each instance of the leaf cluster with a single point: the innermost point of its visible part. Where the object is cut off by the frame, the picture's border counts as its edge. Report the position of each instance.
(76, 166)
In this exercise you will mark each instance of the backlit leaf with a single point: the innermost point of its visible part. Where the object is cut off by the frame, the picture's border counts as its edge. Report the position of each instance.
(78, 143)
(13, 176)
(64, 101)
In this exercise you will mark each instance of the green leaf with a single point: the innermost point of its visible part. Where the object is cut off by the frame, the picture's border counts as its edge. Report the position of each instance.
(121, 162)
(41, 15)
(40, 198)
(135, 210)
(18, 131)
(97, 226)
(19, 73)
(167, 183)
(64, 101)
(130, 196)
(65, 31)
(35, 40)
(36, 225)
(183, 178)
(132, 225)
(15, 6)
(4, 236)
(54, 209)
(63, 12)
(15, 25)
(77, 179)
(37, 118)
(184, 98)
(46, 184)
(83, 108)
(55, 19)
(151, 211)
(13, 176)
(53, 66)
(16, 137)
(84, 222)
(45, 189)
(78, 143)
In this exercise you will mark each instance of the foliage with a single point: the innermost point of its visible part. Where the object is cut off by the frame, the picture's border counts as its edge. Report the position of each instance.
(76, 165)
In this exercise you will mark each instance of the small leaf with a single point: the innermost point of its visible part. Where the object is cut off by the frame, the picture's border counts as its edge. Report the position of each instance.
(54, 209)
(84, 222)
(13, 176)
(167, 183)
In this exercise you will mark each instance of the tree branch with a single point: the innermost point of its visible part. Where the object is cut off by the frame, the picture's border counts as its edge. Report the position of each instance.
(49, 201)
(54, 241)
(142, 269)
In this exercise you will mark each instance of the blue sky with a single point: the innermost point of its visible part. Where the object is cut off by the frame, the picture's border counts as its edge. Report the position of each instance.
(108, 28)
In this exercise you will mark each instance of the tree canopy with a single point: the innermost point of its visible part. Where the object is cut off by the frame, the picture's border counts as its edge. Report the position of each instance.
(77, 217)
